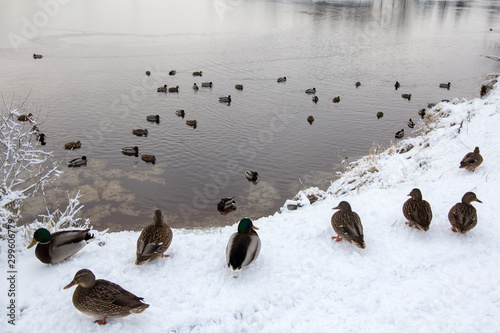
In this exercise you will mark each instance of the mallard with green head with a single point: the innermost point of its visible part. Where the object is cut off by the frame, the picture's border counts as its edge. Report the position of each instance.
(140, 132)
(226, 204)
(243, 247)
(463, 216)
(251, 175)
(131, 151)
(73, 145)
(471, 160)
(60, 245)
(162, 89)
(315, 99)
(154, 240)
(225, 99)
(77, 162)
(102, 298)
(417, 211)
(195, 86)
(311, 91)
(347, 225)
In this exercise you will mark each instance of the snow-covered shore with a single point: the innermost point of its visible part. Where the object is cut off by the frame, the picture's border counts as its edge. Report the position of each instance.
(405, 280)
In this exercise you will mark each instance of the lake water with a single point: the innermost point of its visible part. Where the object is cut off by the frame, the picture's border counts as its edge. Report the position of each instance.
(90, 86)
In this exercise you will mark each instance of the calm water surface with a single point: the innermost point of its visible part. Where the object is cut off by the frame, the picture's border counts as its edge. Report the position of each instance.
(90, 86)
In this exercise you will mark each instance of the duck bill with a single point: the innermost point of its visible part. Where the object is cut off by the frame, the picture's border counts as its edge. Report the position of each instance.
(335, 208)
(478, 200)
(33, 242)
(71, 284)
(255, 228)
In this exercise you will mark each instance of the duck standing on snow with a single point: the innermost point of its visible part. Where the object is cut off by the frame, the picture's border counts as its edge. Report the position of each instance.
(380, 114)
(281, 79)
(315, 99)
(251, 175)
(463, 216)
(162, 89)
(336, 99)
(148, 73)
(471, 160)
(37, 56)
(347, 225)
(358, 84)
(417, 211)
(53, 248)
(195, 86)
(406, 96)
(200, 73)
(310, 120)
(397, 85)
(77, 162)
(207, 84)
(172, 72)
(243, 247)
(311, 91)
(103, 298)
(400, 134)
(238, 86)
(154, 240)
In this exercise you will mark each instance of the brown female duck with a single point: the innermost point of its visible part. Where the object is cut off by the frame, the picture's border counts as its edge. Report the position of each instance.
(471, 160)
(103, 298)
(347, 224)
(154, 240)
(417, 211)
(463, 215)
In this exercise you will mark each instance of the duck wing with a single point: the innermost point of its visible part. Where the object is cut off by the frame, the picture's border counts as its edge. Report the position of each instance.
(242, 250)
(112, 294)
(66, 237)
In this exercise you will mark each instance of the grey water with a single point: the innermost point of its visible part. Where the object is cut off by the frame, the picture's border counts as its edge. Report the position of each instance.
(91, 86)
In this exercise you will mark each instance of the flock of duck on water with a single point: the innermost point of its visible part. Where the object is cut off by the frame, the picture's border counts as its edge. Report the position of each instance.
(106, 299)
(102, 298)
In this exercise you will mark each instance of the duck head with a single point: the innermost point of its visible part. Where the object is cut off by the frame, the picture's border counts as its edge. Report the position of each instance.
(245, 226)
(41, 235)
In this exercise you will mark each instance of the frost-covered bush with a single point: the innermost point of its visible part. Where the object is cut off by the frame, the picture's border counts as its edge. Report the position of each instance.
(25, 169)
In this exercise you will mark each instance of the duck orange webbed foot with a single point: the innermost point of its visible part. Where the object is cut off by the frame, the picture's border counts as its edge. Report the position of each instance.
(453, 229)
(409, 224)
(337, 239)
(165, 255)
(102, 321)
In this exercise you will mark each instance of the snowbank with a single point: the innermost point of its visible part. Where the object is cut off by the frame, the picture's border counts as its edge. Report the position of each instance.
(405, 280)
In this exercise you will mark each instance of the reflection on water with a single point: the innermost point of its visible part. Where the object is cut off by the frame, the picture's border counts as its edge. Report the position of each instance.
(91, 86)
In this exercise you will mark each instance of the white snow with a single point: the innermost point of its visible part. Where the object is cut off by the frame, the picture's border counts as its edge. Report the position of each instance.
(405, 280)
